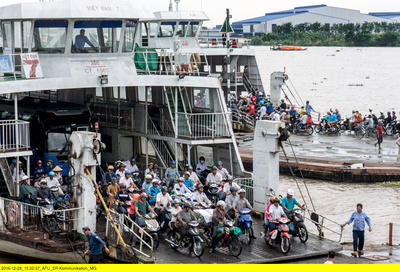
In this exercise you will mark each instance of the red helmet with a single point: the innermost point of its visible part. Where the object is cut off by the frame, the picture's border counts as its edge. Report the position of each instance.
(143, 195)
(271, 199)
(294, 110)
(39, 161)
(150, 163)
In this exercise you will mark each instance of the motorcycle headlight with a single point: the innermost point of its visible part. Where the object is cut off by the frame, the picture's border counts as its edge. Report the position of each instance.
(150, 227)
(297, 219)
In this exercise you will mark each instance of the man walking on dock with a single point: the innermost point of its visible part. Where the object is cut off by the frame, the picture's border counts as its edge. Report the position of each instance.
(379, 134)
(359, 217)
(95, 243)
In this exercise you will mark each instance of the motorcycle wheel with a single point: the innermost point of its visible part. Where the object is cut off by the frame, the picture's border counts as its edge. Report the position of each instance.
(156, 241)
(309, 131)
(198, 249)
(389, 131)
(360, 133)
(295, 130)
(247, 236)
(303, 234)
(318, 129)
(285, 245)
(343, 128)
(172, 236)
(235, 247)
(334, 129)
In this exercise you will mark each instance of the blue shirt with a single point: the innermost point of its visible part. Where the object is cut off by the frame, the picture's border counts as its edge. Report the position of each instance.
(291, 112)
(81, 41)
(289, 204)
(334, 118)
(95, 244)
(309, 108)
(328, 117)
(107, 176)
(153, 192)
(146, 187)
(188, 183)
(359, 220)
(270, 109)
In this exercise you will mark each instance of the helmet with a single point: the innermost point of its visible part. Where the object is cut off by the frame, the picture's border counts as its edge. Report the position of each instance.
(282, 100)
(164, 189)
(122, 186)
(51, 173)
(328, 112)
(214, 168)
(290, 192)
(221, 203)
(14, 161)
(233, 189)
(393, 112)
(187, 173)
(148, 177)
(110, 167)
(24, 177)
(187, 204)
(241, 191)
(190, 167)
(39, 161)
(133, 159)
(155, 166)
(43, 181)
(150, 163)
(127, 172)
(229, 178)
(276, 199)
(155, 181)
(271, 199)
(219, 163)
(143, 195)
(200, 186)
(177, 201)
(173, 162)
(181, 179)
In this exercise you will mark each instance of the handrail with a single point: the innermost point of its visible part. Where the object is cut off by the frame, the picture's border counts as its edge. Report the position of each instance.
(121, 219)
(13, 138)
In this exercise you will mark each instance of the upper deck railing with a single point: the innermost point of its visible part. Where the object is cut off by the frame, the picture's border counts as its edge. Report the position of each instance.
(214, 42)
(14, 136)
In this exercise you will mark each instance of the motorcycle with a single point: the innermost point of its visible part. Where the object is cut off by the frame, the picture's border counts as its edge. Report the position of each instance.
(228, 236)
(245, 224)
(136, 179)
(192, 239)
(152, 227)
(280, 236)
(325, 128)
(299, 228)
(213, 190)
(305, 128)
(49, 216)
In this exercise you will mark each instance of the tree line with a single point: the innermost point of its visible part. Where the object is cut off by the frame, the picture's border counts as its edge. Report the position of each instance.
(317, 34)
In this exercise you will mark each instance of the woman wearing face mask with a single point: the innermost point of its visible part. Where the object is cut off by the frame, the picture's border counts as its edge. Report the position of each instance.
(180, 189)
(201, 166)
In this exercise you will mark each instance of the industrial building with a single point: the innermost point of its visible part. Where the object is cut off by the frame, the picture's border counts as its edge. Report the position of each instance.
(309, 14)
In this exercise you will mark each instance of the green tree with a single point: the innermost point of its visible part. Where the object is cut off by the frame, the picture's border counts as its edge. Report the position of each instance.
(256, 41)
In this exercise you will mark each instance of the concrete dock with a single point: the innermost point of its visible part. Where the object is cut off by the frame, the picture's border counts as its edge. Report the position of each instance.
(258, 252)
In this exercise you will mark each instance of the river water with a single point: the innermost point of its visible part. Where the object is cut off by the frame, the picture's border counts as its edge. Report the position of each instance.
(345, 78)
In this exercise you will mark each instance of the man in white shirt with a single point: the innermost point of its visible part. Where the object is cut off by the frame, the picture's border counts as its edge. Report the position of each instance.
(120, 171)
(229, 183)
(276, 117)
(283, 115)
(163, 200)
(214, 177)
(303, 121)
(201, 166)
(127, 180)
(200, 196)
(331, 257)
(149, 169)
(180, 189)
(53, 182)
(132, 166)
(275, 212)
(221, 170)
(193, 176)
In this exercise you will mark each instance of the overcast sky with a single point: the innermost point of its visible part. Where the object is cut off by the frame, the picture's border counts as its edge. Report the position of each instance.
(244, 9)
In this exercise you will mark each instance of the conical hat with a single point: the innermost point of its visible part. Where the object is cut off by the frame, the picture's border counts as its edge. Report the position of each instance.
(57, 168)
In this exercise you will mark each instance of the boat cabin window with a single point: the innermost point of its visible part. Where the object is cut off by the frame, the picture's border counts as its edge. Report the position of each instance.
(129, 36)
(153, 27)
(50, 36)
(96, 36)
(6, 34)
(201, 98)
(193, 28)
(167, 29)
(182, 28)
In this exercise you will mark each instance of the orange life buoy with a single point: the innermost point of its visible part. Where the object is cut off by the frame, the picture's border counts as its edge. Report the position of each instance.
(13, 212)
(193, 63)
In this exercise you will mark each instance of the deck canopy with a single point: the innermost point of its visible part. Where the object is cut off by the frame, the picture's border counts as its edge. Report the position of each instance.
(76, 9)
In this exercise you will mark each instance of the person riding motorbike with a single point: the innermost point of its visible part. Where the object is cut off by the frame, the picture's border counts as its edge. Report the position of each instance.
(122, 198)
(184, 217)
(42, 193)
(109, 175)
(112, 191)
(39, 171)
(141, 209)
(221, 170)
(201, 166)
(153, 191)
(267, 223)
(171, 174)
(200, 196)
(275, 212)
(289, 201)
(240, 204)
(149, 169)
(180, 189)
(176, 208)
(187, 181)
(228, 185)
(214, 177)
(163, 201)
(219, 214)
(230, 199)
(132, 166)
(193, 175)
(147, 184)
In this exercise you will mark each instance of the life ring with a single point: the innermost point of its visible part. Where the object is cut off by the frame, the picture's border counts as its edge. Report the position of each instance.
(195, 64)
(13, 212)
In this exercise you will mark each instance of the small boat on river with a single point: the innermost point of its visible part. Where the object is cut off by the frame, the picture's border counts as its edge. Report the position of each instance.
(280, 47)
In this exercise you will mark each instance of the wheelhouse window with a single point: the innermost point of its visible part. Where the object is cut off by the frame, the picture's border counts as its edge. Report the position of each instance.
(193, 28)
(201, 98)
(50, 36)
(129, 36)
(96, 36)
(167, 29)
(182, 28)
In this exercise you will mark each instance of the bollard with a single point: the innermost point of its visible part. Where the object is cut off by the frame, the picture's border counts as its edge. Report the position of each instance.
(390, 234)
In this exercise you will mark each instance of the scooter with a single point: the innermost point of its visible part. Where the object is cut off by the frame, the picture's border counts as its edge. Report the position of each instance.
(192, 239)
(49, 217)
(152, 227)
(280, 236)
(245, 224)
(299, 228)
(213, 190)
(228, 236)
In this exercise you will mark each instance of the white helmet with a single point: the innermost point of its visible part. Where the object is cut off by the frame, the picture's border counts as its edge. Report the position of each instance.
(221, 203)
(241, 191)
(290, 192)
(25, 177)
